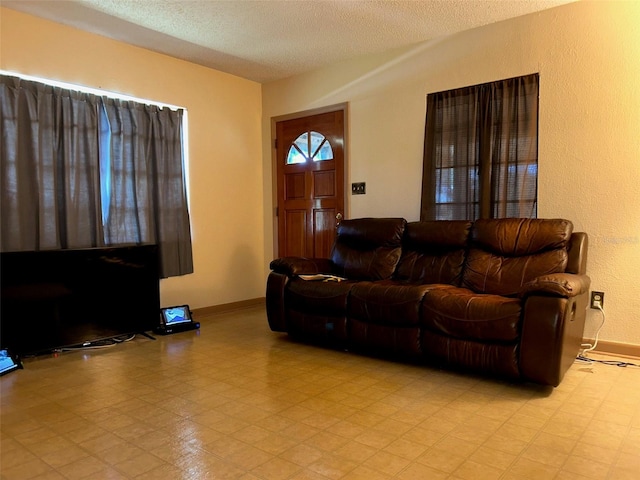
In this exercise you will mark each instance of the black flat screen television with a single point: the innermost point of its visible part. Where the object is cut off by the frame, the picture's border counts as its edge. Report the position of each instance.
(53, 299)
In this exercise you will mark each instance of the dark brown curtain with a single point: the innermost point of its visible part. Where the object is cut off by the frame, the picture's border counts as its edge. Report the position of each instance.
(481, 151)
(79, 170)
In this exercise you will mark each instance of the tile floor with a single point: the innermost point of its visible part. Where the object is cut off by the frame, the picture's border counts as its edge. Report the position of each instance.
(237, 401)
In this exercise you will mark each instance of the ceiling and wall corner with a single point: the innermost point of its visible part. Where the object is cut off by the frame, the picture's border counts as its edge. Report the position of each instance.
(266, 40)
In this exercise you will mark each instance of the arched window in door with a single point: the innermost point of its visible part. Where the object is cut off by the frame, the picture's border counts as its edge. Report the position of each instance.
(310, 146)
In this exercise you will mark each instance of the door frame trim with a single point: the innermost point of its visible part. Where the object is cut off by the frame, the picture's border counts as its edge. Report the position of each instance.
(274, 173)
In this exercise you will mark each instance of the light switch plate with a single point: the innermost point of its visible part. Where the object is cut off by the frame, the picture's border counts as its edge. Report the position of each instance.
(358, 188)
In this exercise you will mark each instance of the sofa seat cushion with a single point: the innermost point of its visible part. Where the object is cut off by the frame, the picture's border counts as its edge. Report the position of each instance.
(318, 297)
(461, 313)
(387, 303)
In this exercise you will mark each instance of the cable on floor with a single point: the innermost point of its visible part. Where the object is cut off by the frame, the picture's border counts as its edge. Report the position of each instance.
(589, 347)
(99, 344)
(616, 363)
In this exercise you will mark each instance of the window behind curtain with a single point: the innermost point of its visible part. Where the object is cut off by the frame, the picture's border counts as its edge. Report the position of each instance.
(481, 151)
(80, 170)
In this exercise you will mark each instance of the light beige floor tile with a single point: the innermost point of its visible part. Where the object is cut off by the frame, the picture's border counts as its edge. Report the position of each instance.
(587, 467)
(618, 473)
(406, 448)
(320, 420)
(545, 455)
(365, 419)
(238, 401)
(302, 454)
(603, 439)
(37, 435)
(251, 434)
(376, 438)
(162, 472)
(82, 468)
(565, 475)
(356, 452)
(308, 475)
(456, 446)
(493, 458)
(555, 443)
(119, 452)
(604, 455)
(441, 460)
(476, 429)
(276, 469)
(326, 441)
(387, 463)
(275, 443)
(106, 441)
(505, 444)
(439, 422)
(139, 464)
(25, 471)
(417, 471)
(249, 457)
(347, 429)
(525, 469)
(365, 473)
(511, 429)
(423, 436)
(332, 466)
(64, 456)
(471, 470)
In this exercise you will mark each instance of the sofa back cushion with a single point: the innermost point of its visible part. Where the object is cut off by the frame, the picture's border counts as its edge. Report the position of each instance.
(433, 252)
(507, 253)
(368, 248)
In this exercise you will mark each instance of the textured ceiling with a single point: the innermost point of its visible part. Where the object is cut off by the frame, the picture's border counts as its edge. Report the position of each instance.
(271, 39)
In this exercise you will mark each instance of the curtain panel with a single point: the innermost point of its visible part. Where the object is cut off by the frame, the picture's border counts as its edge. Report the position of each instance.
(80, 170)
(481, 151)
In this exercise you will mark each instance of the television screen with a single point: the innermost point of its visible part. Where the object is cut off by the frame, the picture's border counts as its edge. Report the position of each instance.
(59, 298)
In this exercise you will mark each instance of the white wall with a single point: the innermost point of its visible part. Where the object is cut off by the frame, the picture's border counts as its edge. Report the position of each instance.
(588, 57)
(225, 171)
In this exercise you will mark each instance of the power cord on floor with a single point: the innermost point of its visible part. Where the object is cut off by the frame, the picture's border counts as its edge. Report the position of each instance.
(99, 344)
(588, 347)
(615, 363)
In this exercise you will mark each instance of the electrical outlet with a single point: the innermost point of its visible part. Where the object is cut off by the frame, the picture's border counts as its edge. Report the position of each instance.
(358, 188)
(597, 300)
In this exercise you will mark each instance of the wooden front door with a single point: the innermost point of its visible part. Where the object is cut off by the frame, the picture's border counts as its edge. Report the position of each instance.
(310, 183)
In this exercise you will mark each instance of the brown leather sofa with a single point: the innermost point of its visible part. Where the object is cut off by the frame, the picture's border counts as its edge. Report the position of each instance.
(504, 297)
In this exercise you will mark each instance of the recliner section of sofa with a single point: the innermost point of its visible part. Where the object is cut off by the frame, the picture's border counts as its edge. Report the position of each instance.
(504, 297)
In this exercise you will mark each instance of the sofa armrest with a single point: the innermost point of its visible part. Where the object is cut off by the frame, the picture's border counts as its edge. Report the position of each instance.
(276, 286)
(553, 319)
(552, 331)
(557, 284)
(292, 266)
